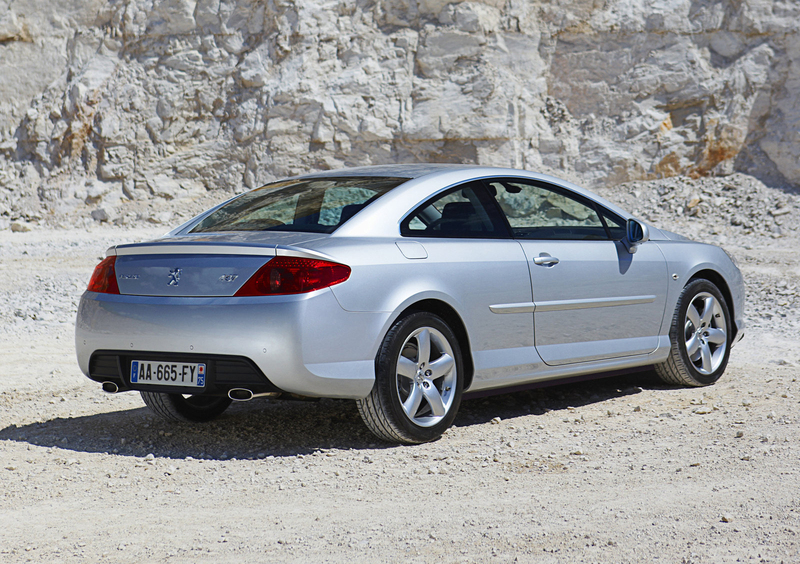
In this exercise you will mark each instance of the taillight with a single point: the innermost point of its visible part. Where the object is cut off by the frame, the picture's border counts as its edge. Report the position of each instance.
(104, 279)
(292, 275)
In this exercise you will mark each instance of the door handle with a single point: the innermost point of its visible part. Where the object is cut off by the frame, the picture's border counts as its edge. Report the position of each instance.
(545, 261)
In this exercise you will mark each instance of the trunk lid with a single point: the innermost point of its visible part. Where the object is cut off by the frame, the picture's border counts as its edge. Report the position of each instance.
(203, 265)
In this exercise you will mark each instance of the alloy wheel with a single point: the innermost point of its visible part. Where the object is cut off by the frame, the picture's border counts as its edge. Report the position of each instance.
(705, 333)
(426, 376)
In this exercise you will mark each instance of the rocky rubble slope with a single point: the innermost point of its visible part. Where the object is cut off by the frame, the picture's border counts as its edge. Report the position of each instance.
(107, 103)
(735, 208)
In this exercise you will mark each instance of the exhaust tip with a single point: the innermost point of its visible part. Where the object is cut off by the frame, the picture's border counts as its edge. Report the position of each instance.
(110, 387)
(240, 394)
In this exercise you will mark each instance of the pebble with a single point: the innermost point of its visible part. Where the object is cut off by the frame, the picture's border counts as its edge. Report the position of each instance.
(102, 215)
(496, 421)
(17, 227)
(727, 518)
(160, 217)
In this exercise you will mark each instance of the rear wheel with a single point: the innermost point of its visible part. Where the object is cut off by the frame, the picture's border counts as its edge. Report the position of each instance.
(418, 381)
(700, 335)
(177, 407)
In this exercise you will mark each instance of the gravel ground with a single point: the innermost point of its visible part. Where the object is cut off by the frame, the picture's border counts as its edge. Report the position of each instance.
(621, 469)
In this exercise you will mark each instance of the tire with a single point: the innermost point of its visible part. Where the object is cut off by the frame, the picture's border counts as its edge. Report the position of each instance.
(195, 409)
(700, 335)
(419, 376)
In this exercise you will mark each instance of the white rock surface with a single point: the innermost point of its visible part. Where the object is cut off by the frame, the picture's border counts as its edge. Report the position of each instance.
(162, 98)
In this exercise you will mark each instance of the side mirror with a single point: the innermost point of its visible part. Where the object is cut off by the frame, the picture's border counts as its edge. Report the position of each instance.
(636, 233)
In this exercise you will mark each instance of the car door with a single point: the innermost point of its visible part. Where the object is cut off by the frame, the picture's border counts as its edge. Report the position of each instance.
(465, 236)
(592, 298)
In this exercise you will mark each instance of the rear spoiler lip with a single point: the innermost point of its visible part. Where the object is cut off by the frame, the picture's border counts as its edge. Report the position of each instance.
(203, 248)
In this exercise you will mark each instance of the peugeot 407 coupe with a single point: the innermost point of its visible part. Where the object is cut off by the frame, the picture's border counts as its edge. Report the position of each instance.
(403, 287)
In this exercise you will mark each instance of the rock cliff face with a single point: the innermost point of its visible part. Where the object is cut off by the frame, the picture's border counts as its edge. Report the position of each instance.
(102, 102)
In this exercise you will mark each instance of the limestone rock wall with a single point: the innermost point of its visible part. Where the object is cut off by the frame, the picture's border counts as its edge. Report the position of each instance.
(102, 102)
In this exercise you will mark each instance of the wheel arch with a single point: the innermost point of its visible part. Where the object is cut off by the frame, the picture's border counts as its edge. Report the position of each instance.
(719, 281)
(454, 321)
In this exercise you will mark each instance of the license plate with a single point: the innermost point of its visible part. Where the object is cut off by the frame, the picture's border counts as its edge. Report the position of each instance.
(168, 373)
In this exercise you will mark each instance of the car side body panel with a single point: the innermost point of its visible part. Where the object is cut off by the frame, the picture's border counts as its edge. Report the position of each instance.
(480, 274)
(685, 259)
(616, 311)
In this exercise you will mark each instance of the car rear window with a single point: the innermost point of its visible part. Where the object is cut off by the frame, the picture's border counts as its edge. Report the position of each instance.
(315, 205)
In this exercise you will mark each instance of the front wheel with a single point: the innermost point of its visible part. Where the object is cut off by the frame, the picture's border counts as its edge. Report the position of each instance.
(700, 335)
(176, 407)
(419, 377)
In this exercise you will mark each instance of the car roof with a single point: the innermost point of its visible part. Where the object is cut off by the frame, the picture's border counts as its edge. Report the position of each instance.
(409, 171)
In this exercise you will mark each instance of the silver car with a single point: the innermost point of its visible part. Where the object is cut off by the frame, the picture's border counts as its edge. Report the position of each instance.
(403, 287)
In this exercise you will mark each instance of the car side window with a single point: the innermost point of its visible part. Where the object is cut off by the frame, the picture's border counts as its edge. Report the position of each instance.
(465, 211)
(538, 211)
(615, 224)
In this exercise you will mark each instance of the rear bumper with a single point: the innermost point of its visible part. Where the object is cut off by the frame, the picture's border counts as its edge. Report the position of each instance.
(223, 373)
(304, 344)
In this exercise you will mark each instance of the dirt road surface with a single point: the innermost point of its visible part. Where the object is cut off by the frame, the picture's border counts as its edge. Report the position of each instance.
(614, 470)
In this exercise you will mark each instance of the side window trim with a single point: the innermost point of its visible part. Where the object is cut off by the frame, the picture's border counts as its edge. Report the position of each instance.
(604, 213)
(496, 205)
(603, 221)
